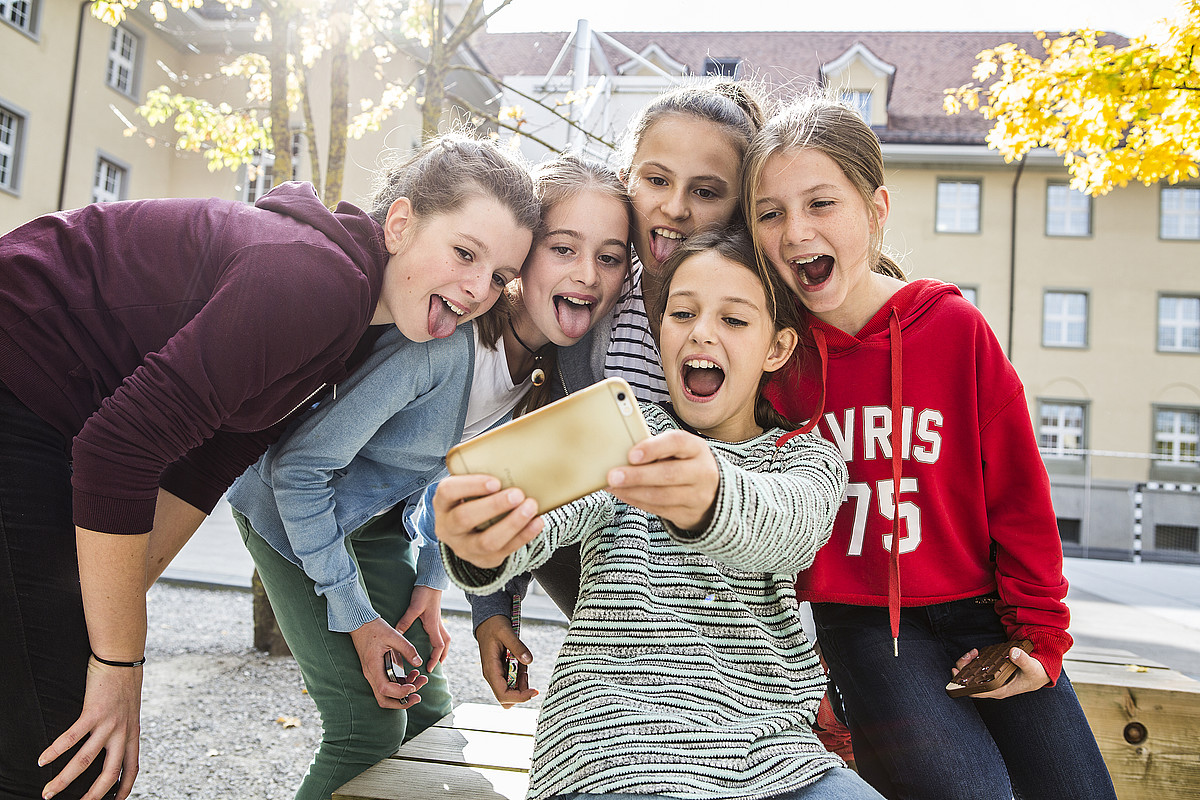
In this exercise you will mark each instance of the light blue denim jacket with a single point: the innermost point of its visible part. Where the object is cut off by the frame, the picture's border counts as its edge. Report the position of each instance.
(382, 438)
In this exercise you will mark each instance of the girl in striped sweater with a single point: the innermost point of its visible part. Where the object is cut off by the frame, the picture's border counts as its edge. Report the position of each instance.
(686, 671)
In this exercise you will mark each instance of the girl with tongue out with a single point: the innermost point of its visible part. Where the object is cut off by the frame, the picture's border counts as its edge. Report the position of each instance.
(947, 491)
(322, 512)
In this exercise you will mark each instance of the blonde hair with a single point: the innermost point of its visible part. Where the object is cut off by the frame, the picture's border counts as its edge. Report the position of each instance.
(821, 122)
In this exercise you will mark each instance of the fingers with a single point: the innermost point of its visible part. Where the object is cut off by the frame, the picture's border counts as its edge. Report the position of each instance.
(964, 659)
(496, 639)
(439, 643)
(515, 524)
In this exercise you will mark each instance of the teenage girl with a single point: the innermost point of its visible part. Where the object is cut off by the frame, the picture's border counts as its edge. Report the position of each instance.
(685, 670)
(321, 512)
(948, 498)
(147, 350)
(681, 159)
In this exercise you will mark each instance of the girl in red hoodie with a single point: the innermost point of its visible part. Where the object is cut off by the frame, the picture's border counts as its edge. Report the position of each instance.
(948, 498)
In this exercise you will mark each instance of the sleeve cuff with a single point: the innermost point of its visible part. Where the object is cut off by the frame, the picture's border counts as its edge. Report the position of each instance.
(349, 607)
(1049, 647)
(470, 578)
(430, 570)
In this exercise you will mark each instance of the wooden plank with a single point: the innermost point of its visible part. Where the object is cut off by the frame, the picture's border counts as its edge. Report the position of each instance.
(394, 778)
(1099, 655)
(470, 748)
(1146, 722)
(488, 717)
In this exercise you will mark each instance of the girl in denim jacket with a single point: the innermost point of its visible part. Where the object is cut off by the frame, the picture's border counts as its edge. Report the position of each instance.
(322, 511)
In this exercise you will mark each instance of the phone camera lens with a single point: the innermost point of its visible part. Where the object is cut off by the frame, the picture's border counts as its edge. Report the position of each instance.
(621, 396)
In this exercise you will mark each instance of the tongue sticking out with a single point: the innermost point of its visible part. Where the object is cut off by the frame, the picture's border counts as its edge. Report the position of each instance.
(442, 321)
(573, 318)
(661, 246)
(816, 272)
(703, 382)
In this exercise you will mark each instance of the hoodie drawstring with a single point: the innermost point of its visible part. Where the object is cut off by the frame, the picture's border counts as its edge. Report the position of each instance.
(897, 424)
(823, 354)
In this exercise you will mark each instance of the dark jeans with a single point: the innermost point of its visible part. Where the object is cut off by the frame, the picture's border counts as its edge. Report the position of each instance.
(44, 650)
(912, 740)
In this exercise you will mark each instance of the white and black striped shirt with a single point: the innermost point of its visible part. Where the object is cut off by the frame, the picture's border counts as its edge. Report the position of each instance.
(632, 353)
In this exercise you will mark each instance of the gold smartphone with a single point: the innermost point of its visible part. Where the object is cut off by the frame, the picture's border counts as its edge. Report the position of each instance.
(562, 451)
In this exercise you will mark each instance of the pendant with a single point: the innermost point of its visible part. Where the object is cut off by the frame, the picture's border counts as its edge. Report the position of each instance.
(538, 377)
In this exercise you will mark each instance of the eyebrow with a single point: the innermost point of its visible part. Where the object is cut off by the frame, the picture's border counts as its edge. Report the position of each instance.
(727, 299)
(578, 235)
(665, 168)
(479, 245)
(821, 187)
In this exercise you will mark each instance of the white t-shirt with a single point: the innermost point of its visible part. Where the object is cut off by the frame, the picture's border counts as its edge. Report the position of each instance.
(492, 391)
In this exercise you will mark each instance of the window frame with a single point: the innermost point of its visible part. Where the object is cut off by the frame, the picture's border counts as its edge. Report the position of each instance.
(264, 165)
(1181, 327)
(1057, 453)
(718, 66)
(974, 290)
(1067, 233)
(1185, 192)
(937, 210)
(16, 148)
(1067, 345)
(120, 167)
(133, 62)
(33, 15)
(1176, 464)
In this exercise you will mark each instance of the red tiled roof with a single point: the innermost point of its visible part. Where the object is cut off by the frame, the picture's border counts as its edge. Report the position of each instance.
(926, 62)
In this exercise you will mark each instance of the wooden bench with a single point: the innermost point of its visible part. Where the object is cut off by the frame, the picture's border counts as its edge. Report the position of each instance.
(478, 752)
(1146, 718)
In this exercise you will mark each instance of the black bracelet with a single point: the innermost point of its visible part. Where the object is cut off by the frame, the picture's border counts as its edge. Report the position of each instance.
(106, 662)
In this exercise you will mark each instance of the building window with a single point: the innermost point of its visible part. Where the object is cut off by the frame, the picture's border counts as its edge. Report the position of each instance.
(1069, 530)
(260, 177)
(1064, 320)
(860, 102)
(726, 67)
(1060, 429)
(11, 125)
(1068, 212)
(122, 61)
(1177, 537)
(1179, 213)
(21, 14)
(957, 207)
(1176, 434)
(1179, 324)
(970, 294)
(109, 185)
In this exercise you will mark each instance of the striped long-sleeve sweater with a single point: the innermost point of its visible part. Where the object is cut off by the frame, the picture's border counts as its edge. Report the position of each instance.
(686, 670)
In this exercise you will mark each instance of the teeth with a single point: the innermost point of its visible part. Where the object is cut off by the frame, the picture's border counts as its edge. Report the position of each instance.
(576, 300)
(668, 234)
(802, 261)
(456, 309)
(700, 363)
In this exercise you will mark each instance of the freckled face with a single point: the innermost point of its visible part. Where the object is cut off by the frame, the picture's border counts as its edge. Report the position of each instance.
(574, 273)
(684, 178)
(717, 339)
(447, 268)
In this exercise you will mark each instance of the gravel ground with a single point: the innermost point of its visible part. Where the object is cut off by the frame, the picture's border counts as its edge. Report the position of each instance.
(221, 720)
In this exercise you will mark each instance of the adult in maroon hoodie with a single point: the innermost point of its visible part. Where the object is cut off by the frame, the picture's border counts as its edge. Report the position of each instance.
(149, 352)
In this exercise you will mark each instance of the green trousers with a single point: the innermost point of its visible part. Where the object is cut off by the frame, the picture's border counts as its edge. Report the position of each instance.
(356, 732)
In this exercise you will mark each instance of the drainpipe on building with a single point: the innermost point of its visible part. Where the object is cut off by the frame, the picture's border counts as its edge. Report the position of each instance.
(62, 178)
(1012, 260)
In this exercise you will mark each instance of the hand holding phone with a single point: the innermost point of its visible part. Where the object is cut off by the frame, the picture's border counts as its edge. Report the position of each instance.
(989, 670)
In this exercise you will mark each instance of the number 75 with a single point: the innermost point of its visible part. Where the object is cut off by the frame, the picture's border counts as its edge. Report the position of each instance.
(910, 514)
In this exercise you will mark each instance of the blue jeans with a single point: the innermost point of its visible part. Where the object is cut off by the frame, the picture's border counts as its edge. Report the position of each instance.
(835, 784)
(44, 650)
(912, 740)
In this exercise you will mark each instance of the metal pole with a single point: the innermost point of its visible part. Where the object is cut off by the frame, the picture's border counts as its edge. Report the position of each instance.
(579, 82)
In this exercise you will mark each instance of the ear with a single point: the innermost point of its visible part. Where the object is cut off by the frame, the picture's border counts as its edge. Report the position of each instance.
(781, 349)
(399, 217)
(883, 204)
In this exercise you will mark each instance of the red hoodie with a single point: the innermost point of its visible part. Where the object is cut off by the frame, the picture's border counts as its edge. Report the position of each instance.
(973, 509)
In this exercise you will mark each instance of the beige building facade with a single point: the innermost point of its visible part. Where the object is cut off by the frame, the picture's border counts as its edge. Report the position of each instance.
(1097, 301)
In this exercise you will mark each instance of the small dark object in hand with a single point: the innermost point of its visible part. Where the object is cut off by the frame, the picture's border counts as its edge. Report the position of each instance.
(991, 669)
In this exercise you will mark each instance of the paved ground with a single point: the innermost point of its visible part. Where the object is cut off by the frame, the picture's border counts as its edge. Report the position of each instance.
(1150, 609)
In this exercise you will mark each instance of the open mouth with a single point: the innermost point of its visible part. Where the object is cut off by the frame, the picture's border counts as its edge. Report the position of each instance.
(663, 242)
(702, 378)
(813, 270)
(574, 315)
(444, 316)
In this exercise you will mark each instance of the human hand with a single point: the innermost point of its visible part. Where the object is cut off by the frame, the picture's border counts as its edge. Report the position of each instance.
(464, 502)
(496, 639)
(426, 605)
(1029, 677)
(110, 721)
(372, 641)
(672, 475)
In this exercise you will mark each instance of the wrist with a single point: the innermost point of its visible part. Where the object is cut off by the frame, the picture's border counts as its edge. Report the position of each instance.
(112, 663)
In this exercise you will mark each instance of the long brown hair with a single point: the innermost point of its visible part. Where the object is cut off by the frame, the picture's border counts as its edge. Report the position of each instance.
(733, 244)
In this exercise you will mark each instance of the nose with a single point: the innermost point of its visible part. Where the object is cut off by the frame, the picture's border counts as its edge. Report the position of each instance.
(702, 330)
(477, 285)
(586, 272)
(798, 229)
(675, 205)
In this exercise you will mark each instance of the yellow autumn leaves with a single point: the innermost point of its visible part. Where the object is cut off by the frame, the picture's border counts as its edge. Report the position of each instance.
(1114, 114)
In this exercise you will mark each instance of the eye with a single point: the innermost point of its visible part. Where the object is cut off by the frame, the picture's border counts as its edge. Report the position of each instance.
(824, 203)
(611, 261)
(562, 249)
(707, 194)
(767, 216)
(657, 180)
(464, 254)
(682, 316)
(734, 322)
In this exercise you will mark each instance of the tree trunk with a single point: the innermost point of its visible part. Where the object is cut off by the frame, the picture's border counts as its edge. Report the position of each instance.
(267, 636)
(339, 100)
